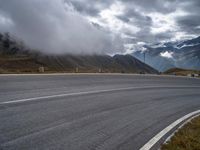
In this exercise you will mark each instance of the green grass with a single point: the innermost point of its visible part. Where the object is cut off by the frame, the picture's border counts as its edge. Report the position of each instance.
(187, 138)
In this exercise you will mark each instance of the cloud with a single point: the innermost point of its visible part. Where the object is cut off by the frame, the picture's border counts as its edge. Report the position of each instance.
(167, 54)
(55, 27)
(90, 7)
(87, 26)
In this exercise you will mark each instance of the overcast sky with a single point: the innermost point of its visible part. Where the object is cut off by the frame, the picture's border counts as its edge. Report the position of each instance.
(99, 26)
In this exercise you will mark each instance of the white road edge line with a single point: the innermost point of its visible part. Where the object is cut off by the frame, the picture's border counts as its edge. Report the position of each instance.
(90, 92)
(157, 137)
(72, 74)
(185, 122)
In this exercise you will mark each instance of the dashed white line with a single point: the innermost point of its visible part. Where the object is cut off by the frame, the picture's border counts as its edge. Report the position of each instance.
(66, 94)
(90, 92)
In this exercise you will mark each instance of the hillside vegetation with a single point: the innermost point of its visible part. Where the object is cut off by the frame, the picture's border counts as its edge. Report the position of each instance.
(16, 58)
(187, 138)
(181, 72)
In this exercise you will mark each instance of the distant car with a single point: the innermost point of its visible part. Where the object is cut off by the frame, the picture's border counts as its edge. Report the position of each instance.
(142, 72)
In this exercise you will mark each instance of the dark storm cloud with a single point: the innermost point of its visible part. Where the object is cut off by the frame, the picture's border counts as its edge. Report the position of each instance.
(85, 8)
(123, 18)
(99, 26)
(190, 23)
(90, 7)
(139, 20)
(162, 6)
(135, 17)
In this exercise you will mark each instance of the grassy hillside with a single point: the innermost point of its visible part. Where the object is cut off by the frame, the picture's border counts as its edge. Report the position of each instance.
(69, 63)
(181, 72)
(16, 58)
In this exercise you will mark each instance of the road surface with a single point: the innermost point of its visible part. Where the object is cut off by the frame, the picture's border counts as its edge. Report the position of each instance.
(91, 112)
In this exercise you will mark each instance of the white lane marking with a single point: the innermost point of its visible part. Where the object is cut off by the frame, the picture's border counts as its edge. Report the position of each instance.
(49, 74)
(60, 74)
(157, 137)
(185, 122)
(91, 92)
(67, 94)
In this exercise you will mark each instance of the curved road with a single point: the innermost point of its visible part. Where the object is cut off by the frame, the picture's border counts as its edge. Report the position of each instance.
(91, 112)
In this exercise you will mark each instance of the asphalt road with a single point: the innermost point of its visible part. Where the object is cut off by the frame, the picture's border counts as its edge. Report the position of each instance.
(105, 112)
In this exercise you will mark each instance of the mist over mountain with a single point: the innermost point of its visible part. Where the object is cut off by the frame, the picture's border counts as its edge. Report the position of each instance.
(15, 57)
(55, 27)
(163, 56)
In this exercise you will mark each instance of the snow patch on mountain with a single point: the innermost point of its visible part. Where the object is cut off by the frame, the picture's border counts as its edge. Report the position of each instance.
(167, 54)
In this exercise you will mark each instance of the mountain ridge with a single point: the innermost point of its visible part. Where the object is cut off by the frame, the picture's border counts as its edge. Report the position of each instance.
(184, 54)
(15, 57)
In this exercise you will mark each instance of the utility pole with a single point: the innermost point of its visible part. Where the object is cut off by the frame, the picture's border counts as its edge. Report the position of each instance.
(144, 56)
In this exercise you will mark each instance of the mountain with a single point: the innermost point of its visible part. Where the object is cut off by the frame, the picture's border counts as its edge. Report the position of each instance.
(163, 56)
(15, 57)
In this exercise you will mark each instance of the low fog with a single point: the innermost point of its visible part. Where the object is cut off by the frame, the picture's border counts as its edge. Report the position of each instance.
(55, 27)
